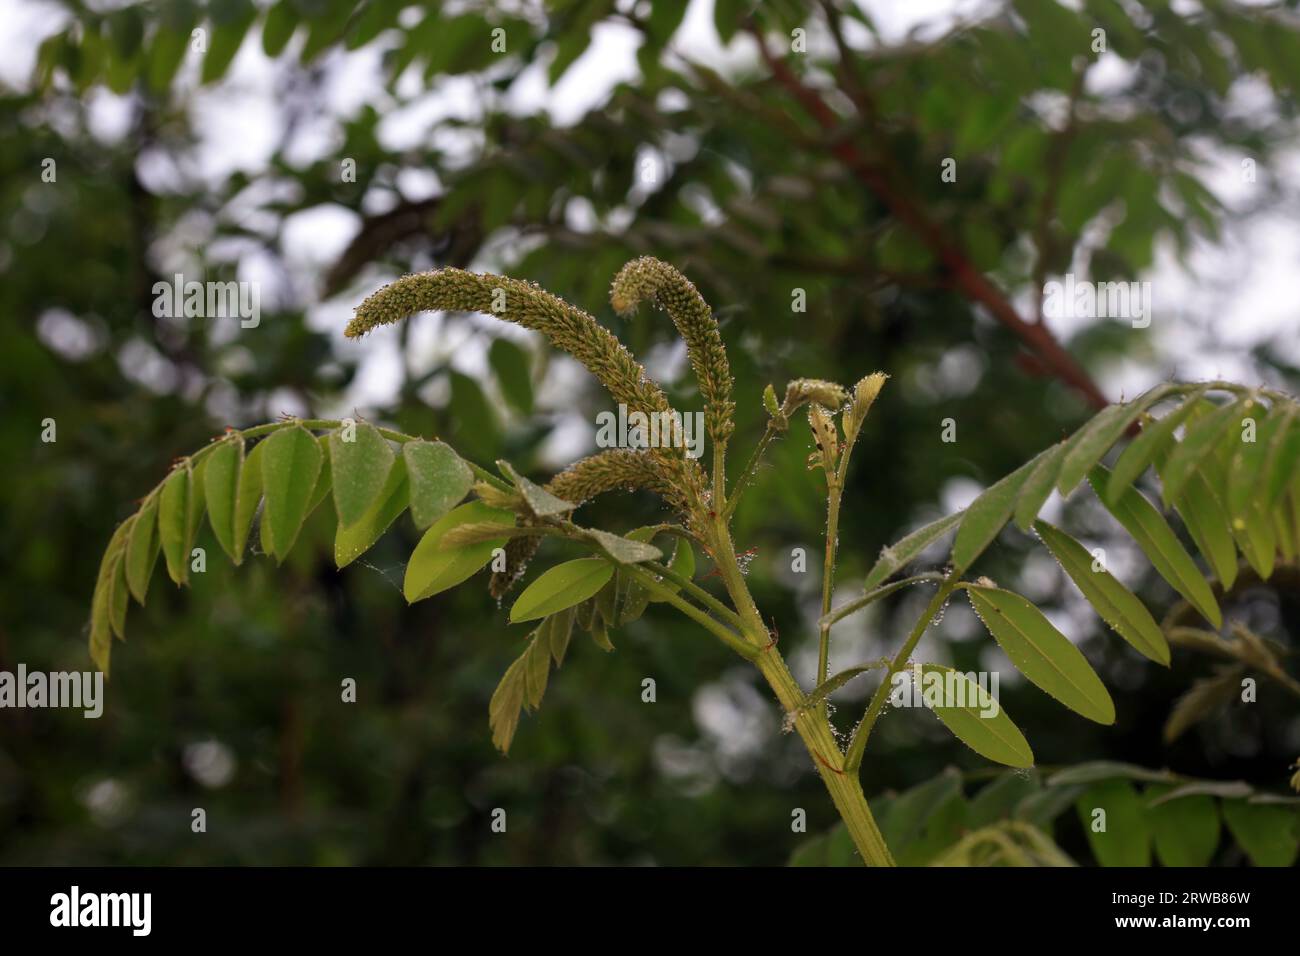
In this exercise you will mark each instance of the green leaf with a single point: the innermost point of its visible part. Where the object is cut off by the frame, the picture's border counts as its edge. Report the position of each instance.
(537, 667)
(1158, 542)
(1207, 522)
(375, 17)
(1042, 653)
(248, 498)
(903, 552)
(118, 592)
(1038, 485)
(1126, 838)
(506, 703)
(510, 365)
(683, 563)
(1283, 454)
(1143, 449)
(102, 603)
(324, 30)
(281, 20)
(1045, 806)
(1267, 832)
(359, 470)
(221, 488)
(987, 514)
(665, 18)
(998, 800)
(925, 819)
(1096, 770)
(325, 480)
(633, 599)
(599, 633)
(439, 480)
(1199, 441)
(476, 430)
(196, 505)
(433, 569)
(607, 603)
(173, 521)
(352, 542)
(230, 22)
(540, 502)
(727, 16)
(572, 44)
(974, 717)
(142, 549)
(1248, 475)
(624, 550)
(560, 630)
(291, 461)
(1186, 830)
(1118, 606)
(1091, 442)
(1257, 539)
(829, 849)
(166, 51)
(561, 587)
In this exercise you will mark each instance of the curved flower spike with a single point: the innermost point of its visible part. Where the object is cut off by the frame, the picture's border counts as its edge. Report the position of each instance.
(650, 279)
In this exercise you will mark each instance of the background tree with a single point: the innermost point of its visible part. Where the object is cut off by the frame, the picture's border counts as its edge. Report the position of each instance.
(808, 163)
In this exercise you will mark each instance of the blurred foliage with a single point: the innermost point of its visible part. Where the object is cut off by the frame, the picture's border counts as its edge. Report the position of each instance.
(1026, 818)
(228, 697)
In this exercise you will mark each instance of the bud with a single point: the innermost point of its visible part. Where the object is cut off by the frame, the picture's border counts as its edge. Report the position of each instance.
(824, 433)
(496, 498)
(804, 390)
(864, 395)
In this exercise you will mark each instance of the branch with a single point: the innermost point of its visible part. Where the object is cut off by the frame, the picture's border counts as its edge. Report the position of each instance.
(966, 277)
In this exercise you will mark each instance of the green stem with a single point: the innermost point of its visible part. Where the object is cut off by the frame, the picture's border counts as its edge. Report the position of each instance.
(725, 634)
(834, 490)
(857, 604)
(811, 724)
(843, 786)
(747, 475)
(853, 759)
(719, 502)
(695, 591)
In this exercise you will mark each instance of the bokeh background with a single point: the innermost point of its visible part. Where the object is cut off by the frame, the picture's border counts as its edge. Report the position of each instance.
(605, 129)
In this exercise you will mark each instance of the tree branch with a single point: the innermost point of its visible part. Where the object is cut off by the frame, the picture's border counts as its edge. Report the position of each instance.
(969, 280)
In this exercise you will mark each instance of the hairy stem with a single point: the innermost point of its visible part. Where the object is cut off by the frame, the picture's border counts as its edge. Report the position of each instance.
(725, 634)
(858, 744)
(844, 788)
(813, 727)
(834, 491)
(747, 475)
(695, 591)
(857, 604)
